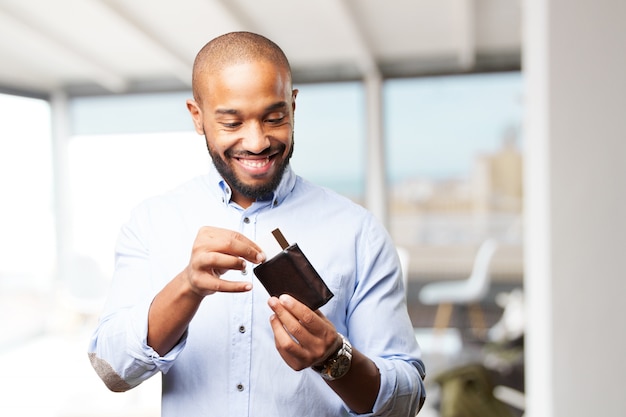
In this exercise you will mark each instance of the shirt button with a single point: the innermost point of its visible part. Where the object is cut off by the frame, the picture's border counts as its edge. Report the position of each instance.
(239, 387)
(246, 220)
(242, 329)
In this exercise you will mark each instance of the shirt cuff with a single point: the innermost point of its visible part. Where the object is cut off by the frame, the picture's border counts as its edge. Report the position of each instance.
(387, 385)
(399, 393)
(162, 363)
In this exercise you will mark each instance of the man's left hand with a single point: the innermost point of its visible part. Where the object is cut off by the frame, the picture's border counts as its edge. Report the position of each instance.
(303, 337)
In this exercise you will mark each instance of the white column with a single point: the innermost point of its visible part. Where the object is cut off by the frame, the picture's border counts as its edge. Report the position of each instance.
(575, 179)
(60, 136)
(376, 178)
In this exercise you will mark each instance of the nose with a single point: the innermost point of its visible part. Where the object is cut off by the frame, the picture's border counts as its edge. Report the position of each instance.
(255, 139)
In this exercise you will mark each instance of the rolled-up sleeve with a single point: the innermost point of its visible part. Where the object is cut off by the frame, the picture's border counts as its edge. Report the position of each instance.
(118, 349)
(119, 352)
(380, 327)
(401, 388)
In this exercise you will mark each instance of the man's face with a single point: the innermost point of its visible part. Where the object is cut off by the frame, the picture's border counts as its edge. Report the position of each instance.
(246, 115)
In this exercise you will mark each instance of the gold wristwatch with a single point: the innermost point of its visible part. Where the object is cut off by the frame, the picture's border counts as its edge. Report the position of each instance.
(337, 364)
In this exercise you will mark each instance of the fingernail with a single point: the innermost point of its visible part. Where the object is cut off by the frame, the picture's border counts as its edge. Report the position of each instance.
(260, 257)
(285, 299)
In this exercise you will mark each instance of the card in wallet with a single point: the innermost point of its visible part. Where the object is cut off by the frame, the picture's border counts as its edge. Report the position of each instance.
(290, 272)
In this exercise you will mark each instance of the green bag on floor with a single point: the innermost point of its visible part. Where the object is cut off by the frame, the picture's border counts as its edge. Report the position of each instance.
(467, 391)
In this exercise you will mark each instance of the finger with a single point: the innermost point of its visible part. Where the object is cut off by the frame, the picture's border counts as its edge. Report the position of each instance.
(205, 283)
(206, 269)
(230, 242)
(289, 349)
(296, 318)
(312, 329)
(224, 285)
(217, 263)
(313, 321)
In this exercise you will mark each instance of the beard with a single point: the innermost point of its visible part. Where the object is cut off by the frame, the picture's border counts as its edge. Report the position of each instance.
(247, 190)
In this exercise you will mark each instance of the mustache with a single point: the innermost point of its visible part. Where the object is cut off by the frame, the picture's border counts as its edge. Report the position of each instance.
(272, 150)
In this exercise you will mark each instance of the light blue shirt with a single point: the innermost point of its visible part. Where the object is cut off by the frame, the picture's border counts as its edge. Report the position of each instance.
(227, 364)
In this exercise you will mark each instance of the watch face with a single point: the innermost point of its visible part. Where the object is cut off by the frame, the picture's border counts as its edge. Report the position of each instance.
(340, 367)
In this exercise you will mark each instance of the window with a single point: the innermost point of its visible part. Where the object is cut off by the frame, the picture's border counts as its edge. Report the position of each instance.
(330, 136)
(454, 152)
(110, 174)
(27, 232)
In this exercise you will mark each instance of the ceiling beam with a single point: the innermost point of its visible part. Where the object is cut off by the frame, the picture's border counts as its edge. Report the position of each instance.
(467, 41)
(237, 14)
(375, 181)
(180, 65)
(103, 75)
(365, 60)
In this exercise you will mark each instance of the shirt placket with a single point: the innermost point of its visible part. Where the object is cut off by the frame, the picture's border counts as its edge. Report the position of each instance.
(241, 333)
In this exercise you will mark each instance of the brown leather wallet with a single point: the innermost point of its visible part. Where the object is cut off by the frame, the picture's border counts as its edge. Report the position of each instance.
(290, 272)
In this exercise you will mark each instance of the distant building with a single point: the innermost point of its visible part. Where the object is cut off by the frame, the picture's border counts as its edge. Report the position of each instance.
(497, 179)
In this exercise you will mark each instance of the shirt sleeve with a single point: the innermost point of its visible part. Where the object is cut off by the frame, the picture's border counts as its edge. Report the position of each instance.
(378, 325)
(119, 352)
(400, 388)
(118, 349)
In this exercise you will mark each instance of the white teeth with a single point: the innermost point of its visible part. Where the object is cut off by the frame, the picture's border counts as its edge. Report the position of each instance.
(255, 163)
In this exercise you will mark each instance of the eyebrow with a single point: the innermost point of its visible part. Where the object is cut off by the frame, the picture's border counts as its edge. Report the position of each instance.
(232, 112)
(281, 105)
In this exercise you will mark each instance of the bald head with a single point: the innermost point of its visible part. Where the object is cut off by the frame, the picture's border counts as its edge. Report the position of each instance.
(234, 48)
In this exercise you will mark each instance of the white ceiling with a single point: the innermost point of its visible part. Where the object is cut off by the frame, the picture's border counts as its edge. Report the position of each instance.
(117, 46)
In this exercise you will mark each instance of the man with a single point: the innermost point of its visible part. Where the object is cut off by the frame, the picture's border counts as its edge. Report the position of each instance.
(224, 346)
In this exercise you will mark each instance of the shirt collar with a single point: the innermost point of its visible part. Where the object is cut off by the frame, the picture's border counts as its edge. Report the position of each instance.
(222, 190)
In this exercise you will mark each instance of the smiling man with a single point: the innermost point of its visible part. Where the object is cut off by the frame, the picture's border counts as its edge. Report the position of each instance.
(197, 313)
(245, 111)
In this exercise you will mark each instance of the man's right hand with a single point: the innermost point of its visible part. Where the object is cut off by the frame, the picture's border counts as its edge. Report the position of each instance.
(216, 251)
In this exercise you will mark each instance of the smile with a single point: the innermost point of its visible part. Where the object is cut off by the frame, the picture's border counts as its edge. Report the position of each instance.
(254, 163)
(256, 166)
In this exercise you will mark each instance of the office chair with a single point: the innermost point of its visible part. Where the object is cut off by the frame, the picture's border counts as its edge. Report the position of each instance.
(470, 291)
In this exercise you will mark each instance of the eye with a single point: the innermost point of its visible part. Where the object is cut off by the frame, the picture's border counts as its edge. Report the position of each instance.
(275, 118)
(231, 125)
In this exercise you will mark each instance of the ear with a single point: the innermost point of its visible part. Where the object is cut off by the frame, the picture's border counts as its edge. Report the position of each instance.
(294, 93)
(196, 115)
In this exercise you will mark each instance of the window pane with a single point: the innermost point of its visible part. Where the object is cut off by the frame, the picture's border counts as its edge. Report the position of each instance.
(454, 149)
(27, 240)
(330, 136)
(26, 187)
(110, 174)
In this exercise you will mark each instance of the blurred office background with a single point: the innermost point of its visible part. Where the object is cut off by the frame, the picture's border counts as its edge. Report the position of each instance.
(458, 123)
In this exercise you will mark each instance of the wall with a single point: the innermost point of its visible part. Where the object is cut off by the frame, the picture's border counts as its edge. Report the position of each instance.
(574, 66)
